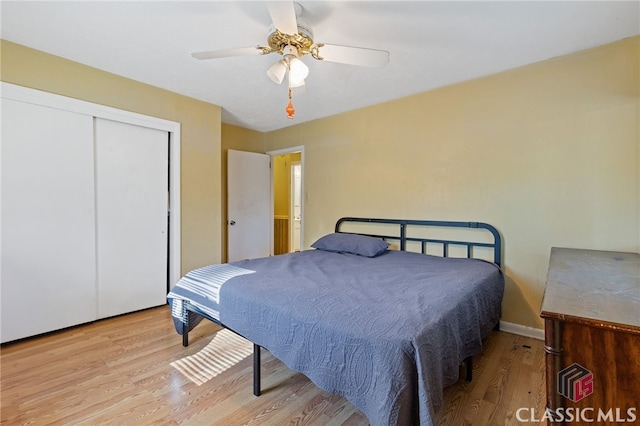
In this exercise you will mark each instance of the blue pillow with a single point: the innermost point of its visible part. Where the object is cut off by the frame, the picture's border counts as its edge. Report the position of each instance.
(351, 243)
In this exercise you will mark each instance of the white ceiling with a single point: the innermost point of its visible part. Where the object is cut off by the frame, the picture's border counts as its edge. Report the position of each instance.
(431, 44)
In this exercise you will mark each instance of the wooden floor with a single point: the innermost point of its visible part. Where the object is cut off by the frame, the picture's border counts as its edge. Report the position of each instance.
(117, 371)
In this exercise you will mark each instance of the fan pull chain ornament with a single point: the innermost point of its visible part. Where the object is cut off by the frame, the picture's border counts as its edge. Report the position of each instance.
(289, 109)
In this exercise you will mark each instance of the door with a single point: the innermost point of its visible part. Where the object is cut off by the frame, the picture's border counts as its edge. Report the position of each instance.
(249, 226)
(131, 201)
(296, 205)
(48, 257)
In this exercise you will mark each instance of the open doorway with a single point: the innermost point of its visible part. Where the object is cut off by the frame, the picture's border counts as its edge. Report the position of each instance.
(288, 200)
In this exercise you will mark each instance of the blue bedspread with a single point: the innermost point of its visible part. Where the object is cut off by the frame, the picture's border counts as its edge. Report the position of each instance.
(388, 333)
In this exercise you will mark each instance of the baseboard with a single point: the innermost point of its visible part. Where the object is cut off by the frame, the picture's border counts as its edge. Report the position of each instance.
(522, 330)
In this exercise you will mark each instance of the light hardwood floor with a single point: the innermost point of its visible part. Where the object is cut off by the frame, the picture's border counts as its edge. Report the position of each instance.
(117, 371)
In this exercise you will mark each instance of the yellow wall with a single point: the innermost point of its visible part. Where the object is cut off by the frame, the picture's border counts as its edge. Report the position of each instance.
(200, 134)
(281, 182)
(548, 153)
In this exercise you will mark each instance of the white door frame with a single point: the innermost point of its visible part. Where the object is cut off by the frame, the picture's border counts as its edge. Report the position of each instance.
(300, 149)
(38, 97)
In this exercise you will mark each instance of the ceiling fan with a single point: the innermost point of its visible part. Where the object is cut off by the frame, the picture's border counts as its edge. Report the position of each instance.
(291, 36)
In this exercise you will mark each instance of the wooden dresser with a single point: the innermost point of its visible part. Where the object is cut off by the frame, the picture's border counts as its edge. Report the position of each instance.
(591, 309)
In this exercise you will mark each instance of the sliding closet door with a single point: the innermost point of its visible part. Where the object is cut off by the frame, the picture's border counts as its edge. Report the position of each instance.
(47, 229)
(131, 203)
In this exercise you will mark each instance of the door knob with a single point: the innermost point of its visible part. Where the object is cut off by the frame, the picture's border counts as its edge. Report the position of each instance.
(233, 222)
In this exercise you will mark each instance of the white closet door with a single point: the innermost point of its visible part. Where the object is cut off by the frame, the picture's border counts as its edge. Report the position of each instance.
(131, 202)
(47, 222)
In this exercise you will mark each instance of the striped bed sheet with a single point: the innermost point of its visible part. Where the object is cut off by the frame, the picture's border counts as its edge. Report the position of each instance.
(201, 289)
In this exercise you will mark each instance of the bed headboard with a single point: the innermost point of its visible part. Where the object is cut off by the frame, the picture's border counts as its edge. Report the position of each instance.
(401, 232)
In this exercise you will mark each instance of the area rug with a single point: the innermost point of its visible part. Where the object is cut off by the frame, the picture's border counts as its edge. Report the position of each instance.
(224, 351)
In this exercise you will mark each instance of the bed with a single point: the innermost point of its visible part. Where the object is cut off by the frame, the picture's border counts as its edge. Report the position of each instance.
(373, 316)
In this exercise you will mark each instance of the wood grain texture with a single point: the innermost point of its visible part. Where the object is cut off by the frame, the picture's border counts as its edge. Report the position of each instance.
(591, 318)
(595, 288)
(280, 235)
(117, 371)
(612, 357)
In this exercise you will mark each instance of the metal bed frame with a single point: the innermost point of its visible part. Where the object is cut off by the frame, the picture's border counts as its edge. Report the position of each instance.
(400, 235)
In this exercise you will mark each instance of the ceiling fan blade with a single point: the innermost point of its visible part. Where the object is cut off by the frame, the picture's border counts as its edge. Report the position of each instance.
(283, 15)
(353, 55)
(225, 53)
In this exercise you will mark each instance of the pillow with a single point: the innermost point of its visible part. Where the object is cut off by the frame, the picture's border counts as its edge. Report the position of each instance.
(351, 243)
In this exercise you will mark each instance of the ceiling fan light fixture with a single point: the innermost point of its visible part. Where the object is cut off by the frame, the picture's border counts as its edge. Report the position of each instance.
(298, 71)
(293, 84)
(277, 71)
